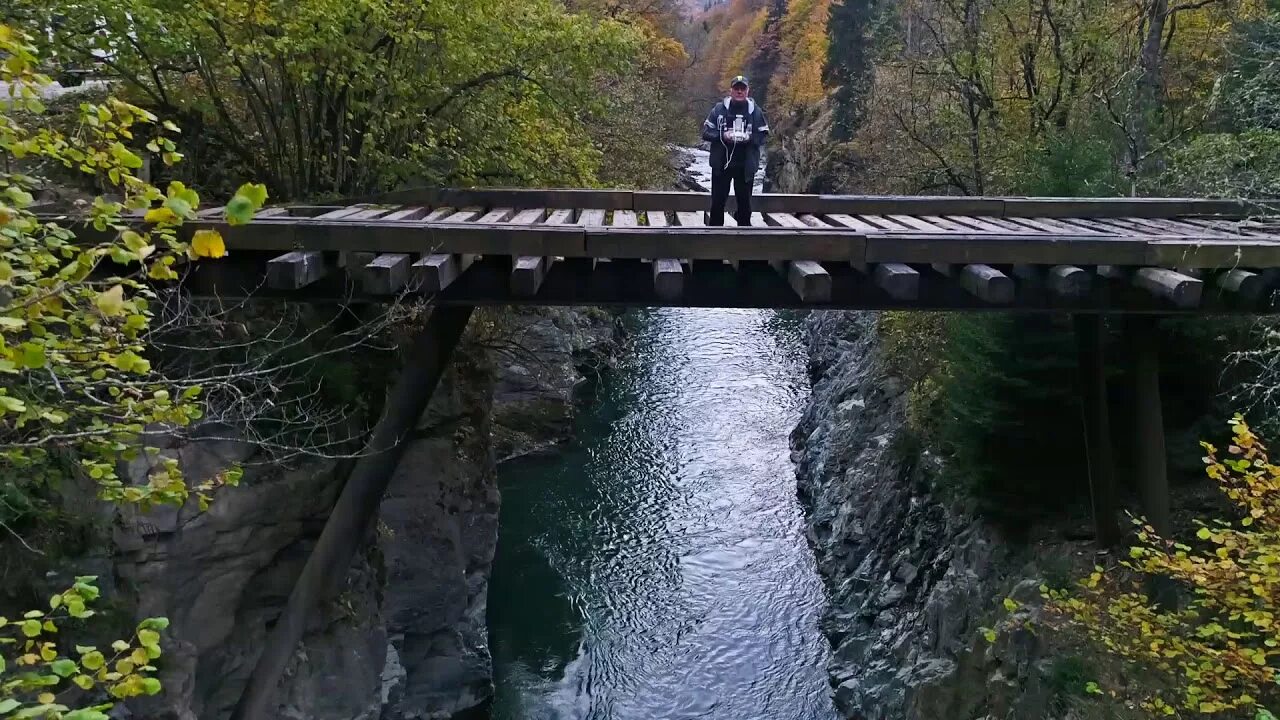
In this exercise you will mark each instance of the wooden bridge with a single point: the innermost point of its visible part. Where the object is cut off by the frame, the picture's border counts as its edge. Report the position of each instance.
(1135, 257)
(586, 247)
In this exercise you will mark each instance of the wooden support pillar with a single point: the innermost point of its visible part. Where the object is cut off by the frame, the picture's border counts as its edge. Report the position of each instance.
(357, 506)
(1153, 478)
(1090, 339)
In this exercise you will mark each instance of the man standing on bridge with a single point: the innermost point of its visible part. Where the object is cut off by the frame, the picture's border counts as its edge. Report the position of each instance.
(736, 128)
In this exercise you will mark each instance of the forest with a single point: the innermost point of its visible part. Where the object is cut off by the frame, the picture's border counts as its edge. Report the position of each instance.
(239, 103)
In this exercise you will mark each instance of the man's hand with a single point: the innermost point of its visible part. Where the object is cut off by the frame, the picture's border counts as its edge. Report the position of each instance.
(728, 136)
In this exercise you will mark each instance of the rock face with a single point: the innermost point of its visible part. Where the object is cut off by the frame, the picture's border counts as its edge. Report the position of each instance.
(911, 580)
(545, 356)
(406, 638)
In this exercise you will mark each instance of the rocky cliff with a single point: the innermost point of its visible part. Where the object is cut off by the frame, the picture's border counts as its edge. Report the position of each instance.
(911, 578)
(406, 638)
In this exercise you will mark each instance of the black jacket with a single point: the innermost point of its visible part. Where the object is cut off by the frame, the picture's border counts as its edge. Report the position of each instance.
(723, 152)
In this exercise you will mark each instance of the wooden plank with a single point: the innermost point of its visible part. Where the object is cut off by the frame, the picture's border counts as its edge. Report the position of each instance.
(901, 282)
(409, 213)
(340, 213)
(528, 217)
(853, 223)
(945, 225)
(439, 214)
(1097, 227)
(267, 213)
(625, 218)
(497, 215)
(562, 216)
(434, 273)
(827, 204)
(386, 274)
(786, 220)
(295, 270)
(668, 278)
(689, 219)
(369, 213)
(1166, 226)
(464, 215)
(528, 273)
(814, 221)
(591, 217)
(656, 218)
(1051, 226)
(810, 280)
(1181, 290)
(986, 225)
(918, 224)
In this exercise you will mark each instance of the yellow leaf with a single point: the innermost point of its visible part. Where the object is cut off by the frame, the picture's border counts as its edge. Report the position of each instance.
(208, 243)
(46, 698)
(111, 302)
(160, 215)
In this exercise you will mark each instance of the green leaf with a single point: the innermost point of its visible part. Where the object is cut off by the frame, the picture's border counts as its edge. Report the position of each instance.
(9, 705)
(93, 660)
(64, 667)
(148, 637)
(31, 628)
(256, 193)
(150, 686)
(1204, 534)
(239, 211)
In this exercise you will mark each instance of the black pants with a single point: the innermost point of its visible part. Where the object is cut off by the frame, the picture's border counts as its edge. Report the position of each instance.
(741, 179)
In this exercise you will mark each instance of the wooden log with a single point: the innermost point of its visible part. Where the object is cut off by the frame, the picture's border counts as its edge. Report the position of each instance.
(901, 282)
(528, 273)
(433, 273)
(1248, 286)
(810, 280)
(386, 274)
(1181, 290)
(295, 270)
(668, 278)
(1068, 281)
(1090, 334)
(357, 506)
(981, 281)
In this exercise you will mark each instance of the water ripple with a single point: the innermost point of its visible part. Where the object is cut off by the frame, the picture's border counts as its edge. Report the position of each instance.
(659, 569)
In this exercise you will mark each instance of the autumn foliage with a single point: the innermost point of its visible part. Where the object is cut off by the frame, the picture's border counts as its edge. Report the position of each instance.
(1217, 651)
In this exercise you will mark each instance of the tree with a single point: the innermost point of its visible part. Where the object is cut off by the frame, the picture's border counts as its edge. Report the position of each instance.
(340, 98)
(1219, 651)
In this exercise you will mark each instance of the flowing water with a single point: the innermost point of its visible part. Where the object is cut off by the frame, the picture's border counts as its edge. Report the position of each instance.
(657, 568)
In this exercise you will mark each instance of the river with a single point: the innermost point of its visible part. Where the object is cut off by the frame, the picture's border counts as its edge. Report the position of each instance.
(657, 567)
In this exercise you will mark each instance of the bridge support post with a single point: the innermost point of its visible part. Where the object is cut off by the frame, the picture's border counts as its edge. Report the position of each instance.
(1153, 479)
(356, 507)
(1090, 341)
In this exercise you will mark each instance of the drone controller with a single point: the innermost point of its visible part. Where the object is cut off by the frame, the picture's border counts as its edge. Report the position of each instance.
(739, 131)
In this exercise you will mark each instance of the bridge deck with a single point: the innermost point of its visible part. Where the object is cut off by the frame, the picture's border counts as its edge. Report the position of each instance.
(581, 246)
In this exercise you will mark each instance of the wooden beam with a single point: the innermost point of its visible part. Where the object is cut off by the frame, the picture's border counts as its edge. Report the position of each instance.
(357, 506)
(295, 270)
(528, 273)
(528, 217)
(1181, 290)
(625, 218)
(1090, 331)
(497, 215)
(810, 280)
(1149, 441)
(668, 278)
(901, 282)
(433, 273)
(386, 274)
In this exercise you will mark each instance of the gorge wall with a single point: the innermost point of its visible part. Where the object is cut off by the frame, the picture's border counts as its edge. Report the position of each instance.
(406, 638)
(911, 578)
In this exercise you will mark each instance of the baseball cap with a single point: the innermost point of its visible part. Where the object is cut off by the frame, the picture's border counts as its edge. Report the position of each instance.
(739, 80)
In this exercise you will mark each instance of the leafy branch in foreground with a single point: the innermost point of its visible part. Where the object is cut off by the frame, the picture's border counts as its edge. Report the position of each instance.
(75, 296)
(37, 680)
(1217, 649)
